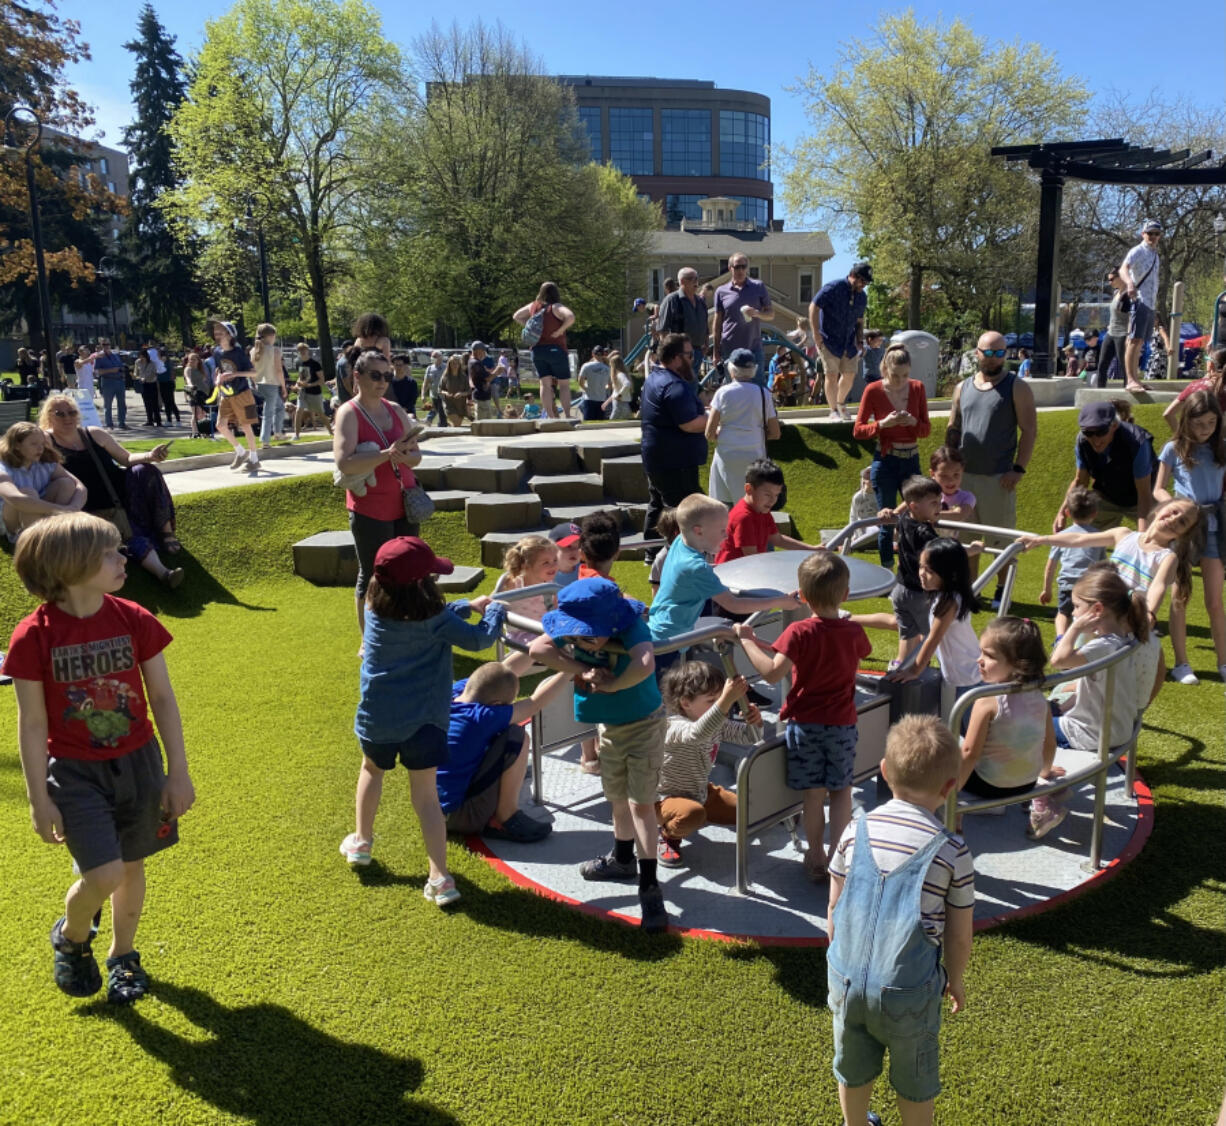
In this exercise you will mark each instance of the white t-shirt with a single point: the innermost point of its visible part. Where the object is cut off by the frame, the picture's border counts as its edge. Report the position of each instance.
(741, 426)
(159, 365)
(1134, 681)
(85, 375)
(1141, 261)
(958, 650)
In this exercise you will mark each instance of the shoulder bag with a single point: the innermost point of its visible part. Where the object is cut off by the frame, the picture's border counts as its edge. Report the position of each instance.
(417, 503)
(119, 515)
(534, 329)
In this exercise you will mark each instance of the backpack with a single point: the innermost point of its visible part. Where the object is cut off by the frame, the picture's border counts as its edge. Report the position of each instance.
(534, 329)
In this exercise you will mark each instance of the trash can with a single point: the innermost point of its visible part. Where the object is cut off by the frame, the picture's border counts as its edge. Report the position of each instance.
(925, 352)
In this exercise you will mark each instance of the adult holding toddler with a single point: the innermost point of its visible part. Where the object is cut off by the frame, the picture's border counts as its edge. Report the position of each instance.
(740, 421)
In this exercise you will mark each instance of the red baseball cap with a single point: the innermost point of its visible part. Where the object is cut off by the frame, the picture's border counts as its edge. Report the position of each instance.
(406, 559)
(565, 535)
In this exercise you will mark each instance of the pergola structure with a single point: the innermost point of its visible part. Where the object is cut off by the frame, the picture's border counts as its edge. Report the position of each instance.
(1106, 161)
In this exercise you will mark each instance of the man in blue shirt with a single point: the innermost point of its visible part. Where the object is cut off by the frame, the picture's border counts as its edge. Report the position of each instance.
(1116, 460)
(836, 316)
(740, 306)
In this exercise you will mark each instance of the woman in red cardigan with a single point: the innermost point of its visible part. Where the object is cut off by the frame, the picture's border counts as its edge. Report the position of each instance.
(894, 411)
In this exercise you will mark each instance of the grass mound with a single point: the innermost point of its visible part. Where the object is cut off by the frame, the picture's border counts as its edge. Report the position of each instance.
(289, 990)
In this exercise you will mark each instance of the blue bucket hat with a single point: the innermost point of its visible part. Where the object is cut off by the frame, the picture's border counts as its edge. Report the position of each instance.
(592, 608)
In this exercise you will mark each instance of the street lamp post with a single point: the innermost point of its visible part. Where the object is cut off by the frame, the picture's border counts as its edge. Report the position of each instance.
(108, 273)
(36, 233)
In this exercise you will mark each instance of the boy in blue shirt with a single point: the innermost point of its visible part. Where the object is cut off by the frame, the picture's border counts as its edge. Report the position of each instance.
(688, 580)
(487, 755)
(1073, 562)
(566, 536)
(618, 693)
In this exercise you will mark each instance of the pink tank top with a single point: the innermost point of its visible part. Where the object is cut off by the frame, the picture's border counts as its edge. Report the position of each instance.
(382, 500)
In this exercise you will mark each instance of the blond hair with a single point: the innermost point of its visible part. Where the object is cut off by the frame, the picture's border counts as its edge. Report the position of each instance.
(257, 348)
(921, 754)
(52, 401)
(12, 438)
(823, 578)
(696, 508)
(523, 553)
(492, 681)
(62, 551)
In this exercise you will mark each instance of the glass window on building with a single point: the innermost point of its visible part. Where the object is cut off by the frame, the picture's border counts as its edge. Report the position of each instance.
(744, 141)
(102, 165)
(632, 141)
(806, 286)
(590, 117)
(678, 207)
(685, 138)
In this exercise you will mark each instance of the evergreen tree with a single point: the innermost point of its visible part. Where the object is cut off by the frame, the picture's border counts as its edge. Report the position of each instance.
(158, 270)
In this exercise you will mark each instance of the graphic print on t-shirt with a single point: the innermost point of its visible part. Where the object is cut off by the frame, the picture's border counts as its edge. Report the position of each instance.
(101, 703)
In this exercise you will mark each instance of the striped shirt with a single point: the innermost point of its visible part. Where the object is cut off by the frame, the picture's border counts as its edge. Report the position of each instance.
(1137, 565)
(898, 830)
(689, 751)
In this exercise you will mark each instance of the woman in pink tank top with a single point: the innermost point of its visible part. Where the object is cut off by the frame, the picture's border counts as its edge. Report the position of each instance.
(549, 353)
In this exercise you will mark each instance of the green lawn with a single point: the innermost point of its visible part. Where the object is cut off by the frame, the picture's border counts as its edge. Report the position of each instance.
(290, 990)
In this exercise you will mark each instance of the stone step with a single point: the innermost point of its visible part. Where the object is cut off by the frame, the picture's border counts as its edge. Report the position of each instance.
(569, 488)
(623, 477)
(784, 523)
(431, 475)
(541, 458)
(486, 475)
(461, 580)
(495, 544)
(592, 451)
(574, 513)
(327, 559)
(449, 500)
(498, 427)
(492, 512)
(549, 425)
(635, 514)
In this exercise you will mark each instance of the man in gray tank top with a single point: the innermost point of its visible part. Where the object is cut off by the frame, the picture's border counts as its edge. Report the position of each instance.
(992, 419)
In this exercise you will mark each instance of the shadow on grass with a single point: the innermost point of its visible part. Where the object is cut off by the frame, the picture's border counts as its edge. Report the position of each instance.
(265, 1064)
(198, 592)
(799, 972)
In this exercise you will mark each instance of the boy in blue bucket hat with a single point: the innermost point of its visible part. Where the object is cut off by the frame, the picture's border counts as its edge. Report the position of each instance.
(617, 691)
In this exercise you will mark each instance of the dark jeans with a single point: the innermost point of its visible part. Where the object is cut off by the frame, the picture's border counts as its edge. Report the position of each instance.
(369, 535)
(667, 488)
(1110, 350)
(888, 474)
(592, 411)
(153, 408)
(169, 406)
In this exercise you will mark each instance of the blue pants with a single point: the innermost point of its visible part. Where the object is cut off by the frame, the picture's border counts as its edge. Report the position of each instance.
(113, 389)
(273, 418)
(887, 475)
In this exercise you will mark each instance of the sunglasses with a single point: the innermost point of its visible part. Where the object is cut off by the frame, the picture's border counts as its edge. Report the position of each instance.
(381, 376)
(1000, 353)
(1097, 431)
(741, 266)
(65, 414)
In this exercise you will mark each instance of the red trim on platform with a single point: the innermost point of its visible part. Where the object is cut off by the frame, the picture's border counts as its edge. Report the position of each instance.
(1140, 835)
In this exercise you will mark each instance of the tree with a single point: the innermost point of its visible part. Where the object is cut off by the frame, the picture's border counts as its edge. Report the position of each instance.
(36, 44)
(900, 151)
(492, 192)
(158, 269)
(283, 96)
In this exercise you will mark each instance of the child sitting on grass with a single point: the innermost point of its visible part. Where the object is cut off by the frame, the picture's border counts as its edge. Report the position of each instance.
(698, 698)
(751, 525)
(33, 480)
(888, 937)
(822, 654)
(532, 409)
(81, 665)
(1071, 562)
(487, 755)
(531, 561)
(406, 693)
(618, 693)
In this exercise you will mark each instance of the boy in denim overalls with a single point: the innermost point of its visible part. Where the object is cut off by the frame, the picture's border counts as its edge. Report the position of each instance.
(900, 888)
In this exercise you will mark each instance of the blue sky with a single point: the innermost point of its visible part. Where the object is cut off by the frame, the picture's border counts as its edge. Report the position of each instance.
(761, 47)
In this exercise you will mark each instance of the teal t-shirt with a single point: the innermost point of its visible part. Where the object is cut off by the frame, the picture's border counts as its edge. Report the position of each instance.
(628, 705)
(686, 582)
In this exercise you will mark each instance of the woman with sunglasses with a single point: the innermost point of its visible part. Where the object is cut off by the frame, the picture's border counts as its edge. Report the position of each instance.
(115, 478)
(375, 447)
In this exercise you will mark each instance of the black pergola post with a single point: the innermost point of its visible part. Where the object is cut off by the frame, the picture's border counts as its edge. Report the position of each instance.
(1047, 292)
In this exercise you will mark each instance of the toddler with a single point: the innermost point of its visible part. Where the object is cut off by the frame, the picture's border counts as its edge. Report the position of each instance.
(1082, 507)
(532, 409)
(600, 537)
(863, 507)
(667, 530)
(566, 538)
(530, 562)
(33, 480)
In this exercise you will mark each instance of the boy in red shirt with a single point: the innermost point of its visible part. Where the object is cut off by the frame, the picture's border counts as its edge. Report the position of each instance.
(81, 665)
(822, 655)
(751, 527)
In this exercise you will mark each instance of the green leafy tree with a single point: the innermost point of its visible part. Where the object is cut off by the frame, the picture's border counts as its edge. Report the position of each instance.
(902, 131)
(158, 269)
(488, 191)
(284, 98)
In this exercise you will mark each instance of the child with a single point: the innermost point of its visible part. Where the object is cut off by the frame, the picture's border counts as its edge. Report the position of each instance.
(1110, 614)
(1010, 740)
(822, 654)
(82, 665)
(33, 480)
(946, 466)
(667, 530)
(531, 561)
(1193, 465)
(698, 698)
(618, 693)
(532, 409)
(406, 692)
(566, 538)
(1082, 506)
(863, 507)
(487, 755)
(921, 498)
(945, 573)
(600, 537)
(888, 936)
(751, 527)
(687, 579)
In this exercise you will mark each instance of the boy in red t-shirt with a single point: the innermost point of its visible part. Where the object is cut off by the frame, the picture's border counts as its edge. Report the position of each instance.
(81, 665)
(822, 654)
(751, 527)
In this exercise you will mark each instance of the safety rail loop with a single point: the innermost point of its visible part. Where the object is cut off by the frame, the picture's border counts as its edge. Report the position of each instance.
(1107, 755)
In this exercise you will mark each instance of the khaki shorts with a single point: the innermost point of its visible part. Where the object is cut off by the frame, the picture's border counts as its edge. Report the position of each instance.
(994, 506)
(485, 408)
(631, 755)
(839, 365)
(1110, 514)
(239, 408)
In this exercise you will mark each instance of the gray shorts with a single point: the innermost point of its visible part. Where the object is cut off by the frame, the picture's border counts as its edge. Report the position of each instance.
(112, 810)
(911, 610)
(1140, 320)
(481, 799)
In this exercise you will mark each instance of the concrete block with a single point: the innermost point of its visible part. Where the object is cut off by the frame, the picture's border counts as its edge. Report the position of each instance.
(327, 559)
(431, 475)
(491, 512)
(574, 513)
(1098, 394)
(635, 515)
(1059, 391)
(486, 475)
(593, 452)
(556, 457)
(632, 546)
(549, 425)
(623, 478)
(569, 488)
(461, 580)
(450, 500)
(783, 523)
(495, 544)
(497, 427)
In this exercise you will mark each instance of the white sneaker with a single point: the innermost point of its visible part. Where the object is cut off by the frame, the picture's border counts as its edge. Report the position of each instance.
(1183, 674)
(239, 459)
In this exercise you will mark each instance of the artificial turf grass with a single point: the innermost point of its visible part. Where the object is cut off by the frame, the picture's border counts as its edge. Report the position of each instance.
(296, 991)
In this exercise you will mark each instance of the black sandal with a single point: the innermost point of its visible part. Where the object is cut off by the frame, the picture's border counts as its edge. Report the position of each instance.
(76, 968)
(171, 543)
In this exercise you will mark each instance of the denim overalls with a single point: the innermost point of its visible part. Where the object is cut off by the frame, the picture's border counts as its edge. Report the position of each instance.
(885, 978)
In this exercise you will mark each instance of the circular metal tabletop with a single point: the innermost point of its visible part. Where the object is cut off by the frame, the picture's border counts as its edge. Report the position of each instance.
(776, 570)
